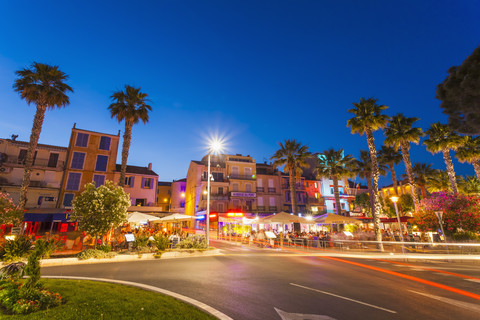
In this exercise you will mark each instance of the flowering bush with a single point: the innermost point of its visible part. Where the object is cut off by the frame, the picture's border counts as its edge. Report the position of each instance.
(18, 299)
(193, 242)
(95, 254)
(9, 212)
(460, 212)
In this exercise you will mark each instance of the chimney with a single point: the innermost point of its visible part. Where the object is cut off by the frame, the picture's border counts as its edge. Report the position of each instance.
(150, 166)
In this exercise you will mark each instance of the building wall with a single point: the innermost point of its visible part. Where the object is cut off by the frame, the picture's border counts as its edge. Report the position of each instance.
(164, 191)
(91, 150)
(346, 195)
(144, 195)
(177, 203)
(45, 178)
(241, 174)
(269, 193)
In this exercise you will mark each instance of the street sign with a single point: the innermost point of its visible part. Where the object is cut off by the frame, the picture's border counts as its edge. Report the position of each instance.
(16, 230)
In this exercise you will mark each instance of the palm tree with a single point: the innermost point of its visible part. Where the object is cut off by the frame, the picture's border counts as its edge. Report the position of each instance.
(400, 134)
(469, 186)
(390, 157)
(334, 165)
(294, 156)
(367, 119)
(470, 152)
(44, 86)
(439, 182)
(363, 168)
(422, 173)
(131, 106)
(443, 139)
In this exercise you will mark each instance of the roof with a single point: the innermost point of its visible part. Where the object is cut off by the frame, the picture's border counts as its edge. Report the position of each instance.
(40, 145)
(137, 170)
(181, 180)
(164, 183)
(100, 133)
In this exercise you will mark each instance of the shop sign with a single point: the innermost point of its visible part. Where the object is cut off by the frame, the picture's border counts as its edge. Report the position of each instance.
(243, 194)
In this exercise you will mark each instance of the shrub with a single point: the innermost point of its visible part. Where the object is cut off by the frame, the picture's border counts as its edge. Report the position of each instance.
(14, 270)
(141, 244)
(161, 242)
(47, 247)
(105, 248)
(92, 253)
(13, 250)
(193, 242)
(465, 236)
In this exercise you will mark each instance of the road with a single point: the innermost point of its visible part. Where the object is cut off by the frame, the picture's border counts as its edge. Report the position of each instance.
(248, 283)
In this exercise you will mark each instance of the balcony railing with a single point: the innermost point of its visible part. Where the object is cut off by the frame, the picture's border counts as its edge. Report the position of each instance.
(266, 209)
(241, 177)
(43, 163)
(260, 189)
(215, 179)
(272, 190)
(215, 196)
(287, 186)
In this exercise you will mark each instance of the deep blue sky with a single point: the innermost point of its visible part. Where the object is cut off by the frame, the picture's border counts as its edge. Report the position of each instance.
(257, 71)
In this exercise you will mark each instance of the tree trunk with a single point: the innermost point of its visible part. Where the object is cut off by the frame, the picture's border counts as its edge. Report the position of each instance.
(424, 191)
(450, 170)
(394, 177)
(411, 179)
(337, 195)
(476, 166)
(127, 137)
(34, 136)
(370, 193)
(376, 195)
(293, 189)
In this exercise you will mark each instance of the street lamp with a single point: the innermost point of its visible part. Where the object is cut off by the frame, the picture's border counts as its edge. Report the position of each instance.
(395, 200)
(215, 146)
(439, 215)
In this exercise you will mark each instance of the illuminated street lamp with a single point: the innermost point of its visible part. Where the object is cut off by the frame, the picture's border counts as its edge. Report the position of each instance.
(395, 200)
(215, 146)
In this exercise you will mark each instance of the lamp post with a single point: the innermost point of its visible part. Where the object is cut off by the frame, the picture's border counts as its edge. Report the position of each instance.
(214, 147)
(439, 215)
(395, 200)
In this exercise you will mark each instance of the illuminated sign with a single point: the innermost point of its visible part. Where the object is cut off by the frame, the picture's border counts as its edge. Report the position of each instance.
(234, 214)
(213, 215)
(244, 194)
(200, 217)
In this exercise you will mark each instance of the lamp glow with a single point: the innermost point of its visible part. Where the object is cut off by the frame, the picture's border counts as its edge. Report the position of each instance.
(394, 199)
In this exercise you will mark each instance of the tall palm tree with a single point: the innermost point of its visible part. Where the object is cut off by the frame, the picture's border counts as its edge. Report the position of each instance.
(390, 157)
(363, 168)
(443, 139)
(400, 134)
(129, 105)
(422, 173)
(334, 165)
(294, 156)
(44, 86)
(367, 119)
(439, 182)
(470, 152)
(469, 185)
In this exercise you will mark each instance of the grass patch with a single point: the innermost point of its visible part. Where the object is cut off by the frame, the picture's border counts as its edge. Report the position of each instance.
(99, 300)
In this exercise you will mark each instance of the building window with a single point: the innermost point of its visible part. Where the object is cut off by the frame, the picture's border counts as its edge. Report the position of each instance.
(235, 187)
(235, 171)
(236, 204)
(22, 156)
(331, 190)
(104, 143)
(53, 160)
(147, 183)
(220, 190)
(342, 205)
(73, 181)
(129, 181)
(287, 196)
(259, 183)
(68, 199)
(78, 159)
(248, 172)
(82, 140)
(99, 180)
(140, 202)
(316, 186)
(248, 187)
(221, 207)
(217, 176)
(334, 205)
(315, 209)
(316, 195)
(260, 201)
(101, 163)
(272, 202)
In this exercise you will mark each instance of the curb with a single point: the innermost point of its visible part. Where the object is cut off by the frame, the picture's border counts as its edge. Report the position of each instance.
(200, 305)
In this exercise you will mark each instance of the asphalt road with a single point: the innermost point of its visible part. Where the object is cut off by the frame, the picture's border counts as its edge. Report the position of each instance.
(262, 284)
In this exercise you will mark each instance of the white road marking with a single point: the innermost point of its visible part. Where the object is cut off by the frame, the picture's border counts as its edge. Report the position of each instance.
(299, 316)
(416, 269)
(196, 303)
(466, 305)
(345, 298)
(442, 274)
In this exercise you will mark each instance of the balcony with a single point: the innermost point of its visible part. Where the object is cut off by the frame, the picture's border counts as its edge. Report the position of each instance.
(243, 194)
(272, 190)
(37, 163)
(261, 209)
(241, 177)
(215, 196)
(287, 186)
(215, 179)
(260, 189)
